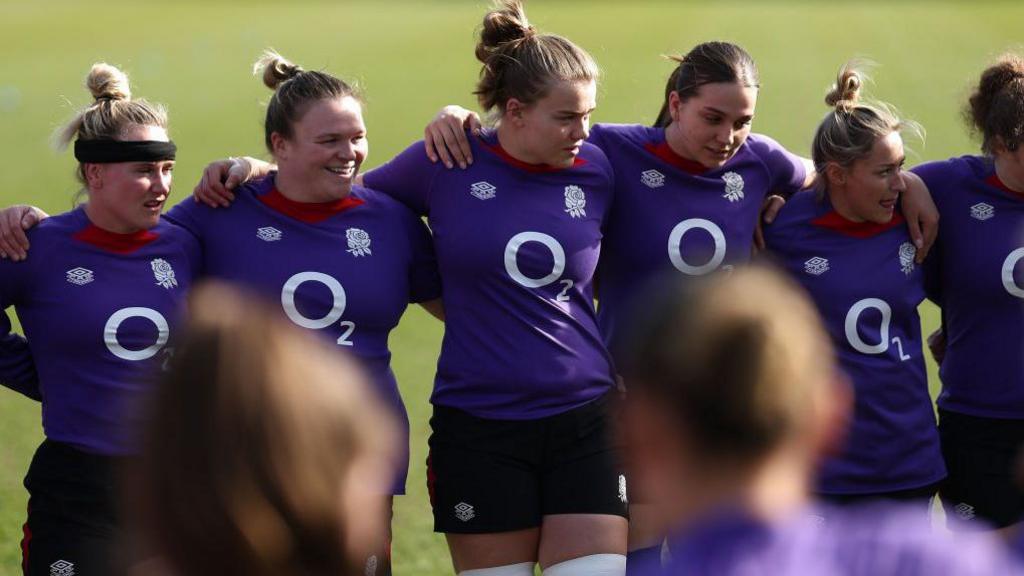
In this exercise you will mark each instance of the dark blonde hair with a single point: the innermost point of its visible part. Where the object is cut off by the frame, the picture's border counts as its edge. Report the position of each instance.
(995, 109)
(112, 113)
(707, 63)
(849, 131)
(253, 431)
(295, 90)
(520, 63)
(737, 361)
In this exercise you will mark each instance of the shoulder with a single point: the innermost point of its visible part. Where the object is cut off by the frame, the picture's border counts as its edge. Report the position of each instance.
(941, 171)
(794, 217)
(601, 134)
(380, 202)
(596, 160)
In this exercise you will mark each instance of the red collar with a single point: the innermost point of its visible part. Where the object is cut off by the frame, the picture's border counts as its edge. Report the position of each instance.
(114, 242)
(534, 168)
(995, 181)
(665, 152)
(834, 221)
(308, 212)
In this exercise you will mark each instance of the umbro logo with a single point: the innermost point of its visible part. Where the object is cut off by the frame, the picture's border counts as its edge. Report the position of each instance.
(982, 211)
(816, 266)
(964, 511)
(268, 234)
(652, 178)
(464, 512)
(80, 276)
(62, 568)
(483, 190)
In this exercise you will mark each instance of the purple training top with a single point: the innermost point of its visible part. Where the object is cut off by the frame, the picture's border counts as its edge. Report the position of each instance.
(864, 281)
(345, 270)
(976, 275)
(875, 540)
(517, 245)
(672, 214)
(98, 309)
(17, 368)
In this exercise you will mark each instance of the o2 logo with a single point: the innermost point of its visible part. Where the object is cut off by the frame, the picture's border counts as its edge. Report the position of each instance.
(557, 253)
(333, 315)
(882, 346)
(675, 242)
(117, 349)
(1007, 273)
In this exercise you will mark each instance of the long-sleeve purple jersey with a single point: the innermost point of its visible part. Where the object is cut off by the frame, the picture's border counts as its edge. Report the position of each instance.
(517, 246)
(345, 270)
(975, 273)
(98, 310)
(864, 281)
(17, 367)
(875, 540)
(672, 214)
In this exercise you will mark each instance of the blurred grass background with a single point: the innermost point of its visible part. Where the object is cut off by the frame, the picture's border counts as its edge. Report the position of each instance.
(413, 57)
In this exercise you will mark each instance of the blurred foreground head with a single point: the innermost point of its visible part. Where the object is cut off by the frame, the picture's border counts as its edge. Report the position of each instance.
(265, 452)
(732, 379)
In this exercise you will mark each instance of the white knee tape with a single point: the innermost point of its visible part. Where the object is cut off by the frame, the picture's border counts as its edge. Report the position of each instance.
(593, 565)
(523, 569)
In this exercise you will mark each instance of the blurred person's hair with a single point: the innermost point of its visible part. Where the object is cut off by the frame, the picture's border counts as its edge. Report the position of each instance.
(258, 435)
(112, 113)
(518, 62)
(707, 63)
(295, 89)
(995, 109)
(738, 361)
(850, 130)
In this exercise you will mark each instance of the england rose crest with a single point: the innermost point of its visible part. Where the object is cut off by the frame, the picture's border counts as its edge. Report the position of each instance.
(163, 273)
(733, 187)
(907, 254)
(575, 201)
(358, 242)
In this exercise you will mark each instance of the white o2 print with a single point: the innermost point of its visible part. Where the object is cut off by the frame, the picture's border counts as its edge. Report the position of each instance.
(114, 322)
(1007, 273)
(339, 301)
(675, 241)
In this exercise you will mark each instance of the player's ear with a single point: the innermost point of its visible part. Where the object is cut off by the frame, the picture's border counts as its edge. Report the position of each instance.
(835, 173)
(675, 104)
(280, 145)
(93, 175)
(514, 110)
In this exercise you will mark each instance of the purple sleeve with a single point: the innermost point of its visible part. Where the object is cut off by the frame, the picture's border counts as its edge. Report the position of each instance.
(190, 215)
(424, 278)
(17, 369)
(936, 177)
(787, 171)
(407, 178)
(597, 138)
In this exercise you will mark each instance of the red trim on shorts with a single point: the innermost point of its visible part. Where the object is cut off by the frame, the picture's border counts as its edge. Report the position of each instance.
(431, 479)
(114, 242)
(308, 212)
(25, 540)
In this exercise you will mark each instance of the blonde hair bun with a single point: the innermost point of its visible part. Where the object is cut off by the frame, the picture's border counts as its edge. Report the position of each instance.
(106, 82)
(846, 91)
(275, 69)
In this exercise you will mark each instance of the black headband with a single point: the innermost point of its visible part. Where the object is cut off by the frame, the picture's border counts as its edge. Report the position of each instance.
(113, 151)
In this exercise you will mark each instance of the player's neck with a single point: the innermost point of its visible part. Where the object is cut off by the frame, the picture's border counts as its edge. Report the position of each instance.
(837, 198)
(1009, 173)
(297, 190)
(108, 222)
(772, 490)
(511, 141)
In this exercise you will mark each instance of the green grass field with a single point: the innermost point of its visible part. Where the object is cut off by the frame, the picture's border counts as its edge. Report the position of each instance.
(413, 57)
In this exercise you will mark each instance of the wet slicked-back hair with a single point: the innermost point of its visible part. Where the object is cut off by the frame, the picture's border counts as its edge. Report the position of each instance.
(708, 63)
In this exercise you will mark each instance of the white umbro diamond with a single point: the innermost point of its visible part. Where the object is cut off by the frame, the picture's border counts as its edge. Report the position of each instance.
(982, 211)
(733, 187)
(62, 568)
(652, 178)
(268, 234)
(964, 511)
(816, 266)
(483, 190)
(464, 512)
(80, 276)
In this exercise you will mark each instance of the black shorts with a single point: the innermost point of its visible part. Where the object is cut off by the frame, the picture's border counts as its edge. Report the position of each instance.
(981, 456)
(488, 476)
(922, 495)
(73, 520)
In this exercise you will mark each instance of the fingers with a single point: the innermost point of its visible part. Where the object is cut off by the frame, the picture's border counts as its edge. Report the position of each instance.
(13, 240)
(930, 231)
(473, 123)
(211, 189)
(436, 148)
(772, 205)
(759, 244)
(455, 139)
